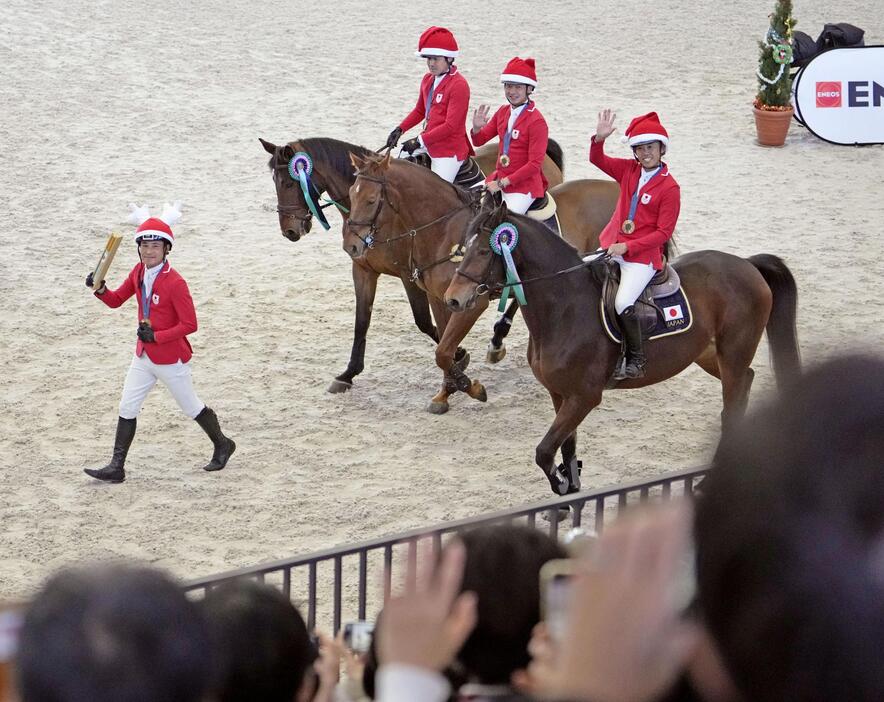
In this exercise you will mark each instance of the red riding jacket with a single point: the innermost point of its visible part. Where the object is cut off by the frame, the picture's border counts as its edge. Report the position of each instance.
(527, 149)
(172, 314)
(655, 216)
(446, 131)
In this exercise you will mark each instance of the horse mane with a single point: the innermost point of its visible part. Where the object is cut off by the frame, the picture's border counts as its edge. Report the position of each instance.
(332, 151)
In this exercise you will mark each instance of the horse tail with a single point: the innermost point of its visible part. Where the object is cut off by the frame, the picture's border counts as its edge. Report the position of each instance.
(554, 151)
(781, 331)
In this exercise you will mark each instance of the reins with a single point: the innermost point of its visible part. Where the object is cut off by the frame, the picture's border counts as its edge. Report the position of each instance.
(371, 241)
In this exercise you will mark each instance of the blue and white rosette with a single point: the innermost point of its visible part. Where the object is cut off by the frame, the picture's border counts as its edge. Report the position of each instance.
(504, 239)
(300, 168)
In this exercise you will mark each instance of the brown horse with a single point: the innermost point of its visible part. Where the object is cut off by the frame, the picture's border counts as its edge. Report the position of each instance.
(732, 300)
(406, 221)
(329, 185)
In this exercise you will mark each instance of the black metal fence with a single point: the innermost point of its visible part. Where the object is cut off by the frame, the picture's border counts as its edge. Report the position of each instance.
(334, 583)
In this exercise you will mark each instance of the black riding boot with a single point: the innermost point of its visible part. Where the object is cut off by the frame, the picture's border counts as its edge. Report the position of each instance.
(632, 333)
(224, 446)
(113, 472)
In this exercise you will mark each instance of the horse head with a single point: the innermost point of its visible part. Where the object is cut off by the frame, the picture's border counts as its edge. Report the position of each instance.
(295, 218)
(481, 271)
(370, 206)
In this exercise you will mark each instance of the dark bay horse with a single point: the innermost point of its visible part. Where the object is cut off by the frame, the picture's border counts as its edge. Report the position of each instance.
(331, 179)
(732, 300)
(406, 221)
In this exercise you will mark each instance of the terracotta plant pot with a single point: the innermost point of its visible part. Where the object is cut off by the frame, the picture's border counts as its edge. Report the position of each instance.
(772, 125)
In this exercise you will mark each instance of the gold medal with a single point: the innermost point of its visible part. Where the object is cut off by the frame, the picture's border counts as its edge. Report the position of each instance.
(504, 160)
(628, 226)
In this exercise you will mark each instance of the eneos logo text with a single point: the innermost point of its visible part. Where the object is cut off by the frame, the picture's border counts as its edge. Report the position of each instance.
(828, 93)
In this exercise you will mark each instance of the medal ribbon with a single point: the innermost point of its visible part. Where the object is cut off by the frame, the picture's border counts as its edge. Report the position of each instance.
(305, 188)
(429, 103)
(509, 132)
(146, 292)
(633, 205)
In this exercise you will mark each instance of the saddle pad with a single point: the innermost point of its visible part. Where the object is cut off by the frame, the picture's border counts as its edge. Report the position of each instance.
(677, 312)
(546, 209)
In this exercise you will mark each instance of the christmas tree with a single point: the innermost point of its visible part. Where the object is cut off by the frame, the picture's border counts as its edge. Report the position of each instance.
(774, 82)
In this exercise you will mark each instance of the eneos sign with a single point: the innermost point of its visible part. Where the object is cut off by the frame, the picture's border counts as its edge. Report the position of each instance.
(839, 95)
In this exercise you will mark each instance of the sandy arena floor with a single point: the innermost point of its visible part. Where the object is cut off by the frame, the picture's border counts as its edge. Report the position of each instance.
(104, 103)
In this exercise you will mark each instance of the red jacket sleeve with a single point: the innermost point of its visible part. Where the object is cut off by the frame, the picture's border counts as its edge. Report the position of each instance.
(614, 167)
(667, 216)
(488, 132)
(115, 298)
(455, 117)
(184, 309)
(417, 114)
(538, 139)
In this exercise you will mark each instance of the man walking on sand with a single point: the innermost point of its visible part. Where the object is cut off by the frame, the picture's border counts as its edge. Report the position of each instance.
(162, 352)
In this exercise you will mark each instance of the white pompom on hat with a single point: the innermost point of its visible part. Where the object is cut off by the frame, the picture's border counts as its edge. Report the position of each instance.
(645, 129)
(153, 228)
(520, 71)
(436, 41)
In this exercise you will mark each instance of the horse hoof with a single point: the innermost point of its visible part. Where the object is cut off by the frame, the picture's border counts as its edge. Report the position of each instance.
(477, 392)
(495, 355)
(339, 386)
(437, 407)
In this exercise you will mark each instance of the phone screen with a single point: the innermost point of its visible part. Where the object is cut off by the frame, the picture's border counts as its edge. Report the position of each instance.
(357, 635)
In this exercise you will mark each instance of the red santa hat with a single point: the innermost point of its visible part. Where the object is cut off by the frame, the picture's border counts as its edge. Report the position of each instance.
(152, 228)
(436, 41)
(520, 71)
(645, 129)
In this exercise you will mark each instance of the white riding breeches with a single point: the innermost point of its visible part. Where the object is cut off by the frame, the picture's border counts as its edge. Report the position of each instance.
(634, 278)
(518, 202)
(143, 375)
(446, 167)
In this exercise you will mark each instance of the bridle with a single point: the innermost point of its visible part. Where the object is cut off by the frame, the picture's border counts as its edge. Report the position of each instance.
(311, 197)
(371, 240)
(483, 287)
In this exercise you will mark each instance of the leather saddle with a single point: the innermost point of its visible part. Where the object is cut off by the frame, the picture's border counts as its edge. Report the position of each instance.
(543, 209)
(469, 175)
(665, 282)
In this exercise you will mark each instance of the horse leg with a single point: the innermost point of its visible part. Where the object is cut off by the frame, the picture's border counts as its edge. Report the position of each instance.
(736, 381)
(570, 466)
(420, 309)
(569, 415)
(708, 361)
(454, 377)
(365, 284)
(496, 349)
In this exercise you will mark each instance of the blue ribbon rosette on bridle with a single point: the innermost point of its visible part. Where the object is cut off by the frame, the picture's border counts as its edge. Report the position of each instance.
(504, 239)
(300, 168)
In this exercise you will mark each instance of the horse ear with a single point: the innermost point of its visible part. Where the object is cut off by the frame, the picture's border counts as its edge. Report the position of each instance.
(385, 163)
(500, 212)
(358, 162)
(268, 147)
(288, 153)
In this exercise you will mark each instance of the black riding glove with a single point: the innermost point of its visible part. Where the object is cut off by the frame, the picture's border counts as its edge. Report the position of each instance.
(90, 281)
(145, 333)
(411, 145)
(393, 139)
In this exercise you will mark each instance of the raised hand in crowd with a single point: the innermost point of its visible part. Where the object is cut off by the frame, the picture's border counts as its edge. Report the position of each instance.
(605, 126)
(626, 640)
(480, 117)
(427, 624)
(327, 667)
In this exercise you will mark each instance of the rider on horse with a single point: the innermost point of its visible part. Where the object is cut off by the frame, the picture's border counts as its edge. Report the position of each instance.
(643, 221)
(523, 138)
(443, 104)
